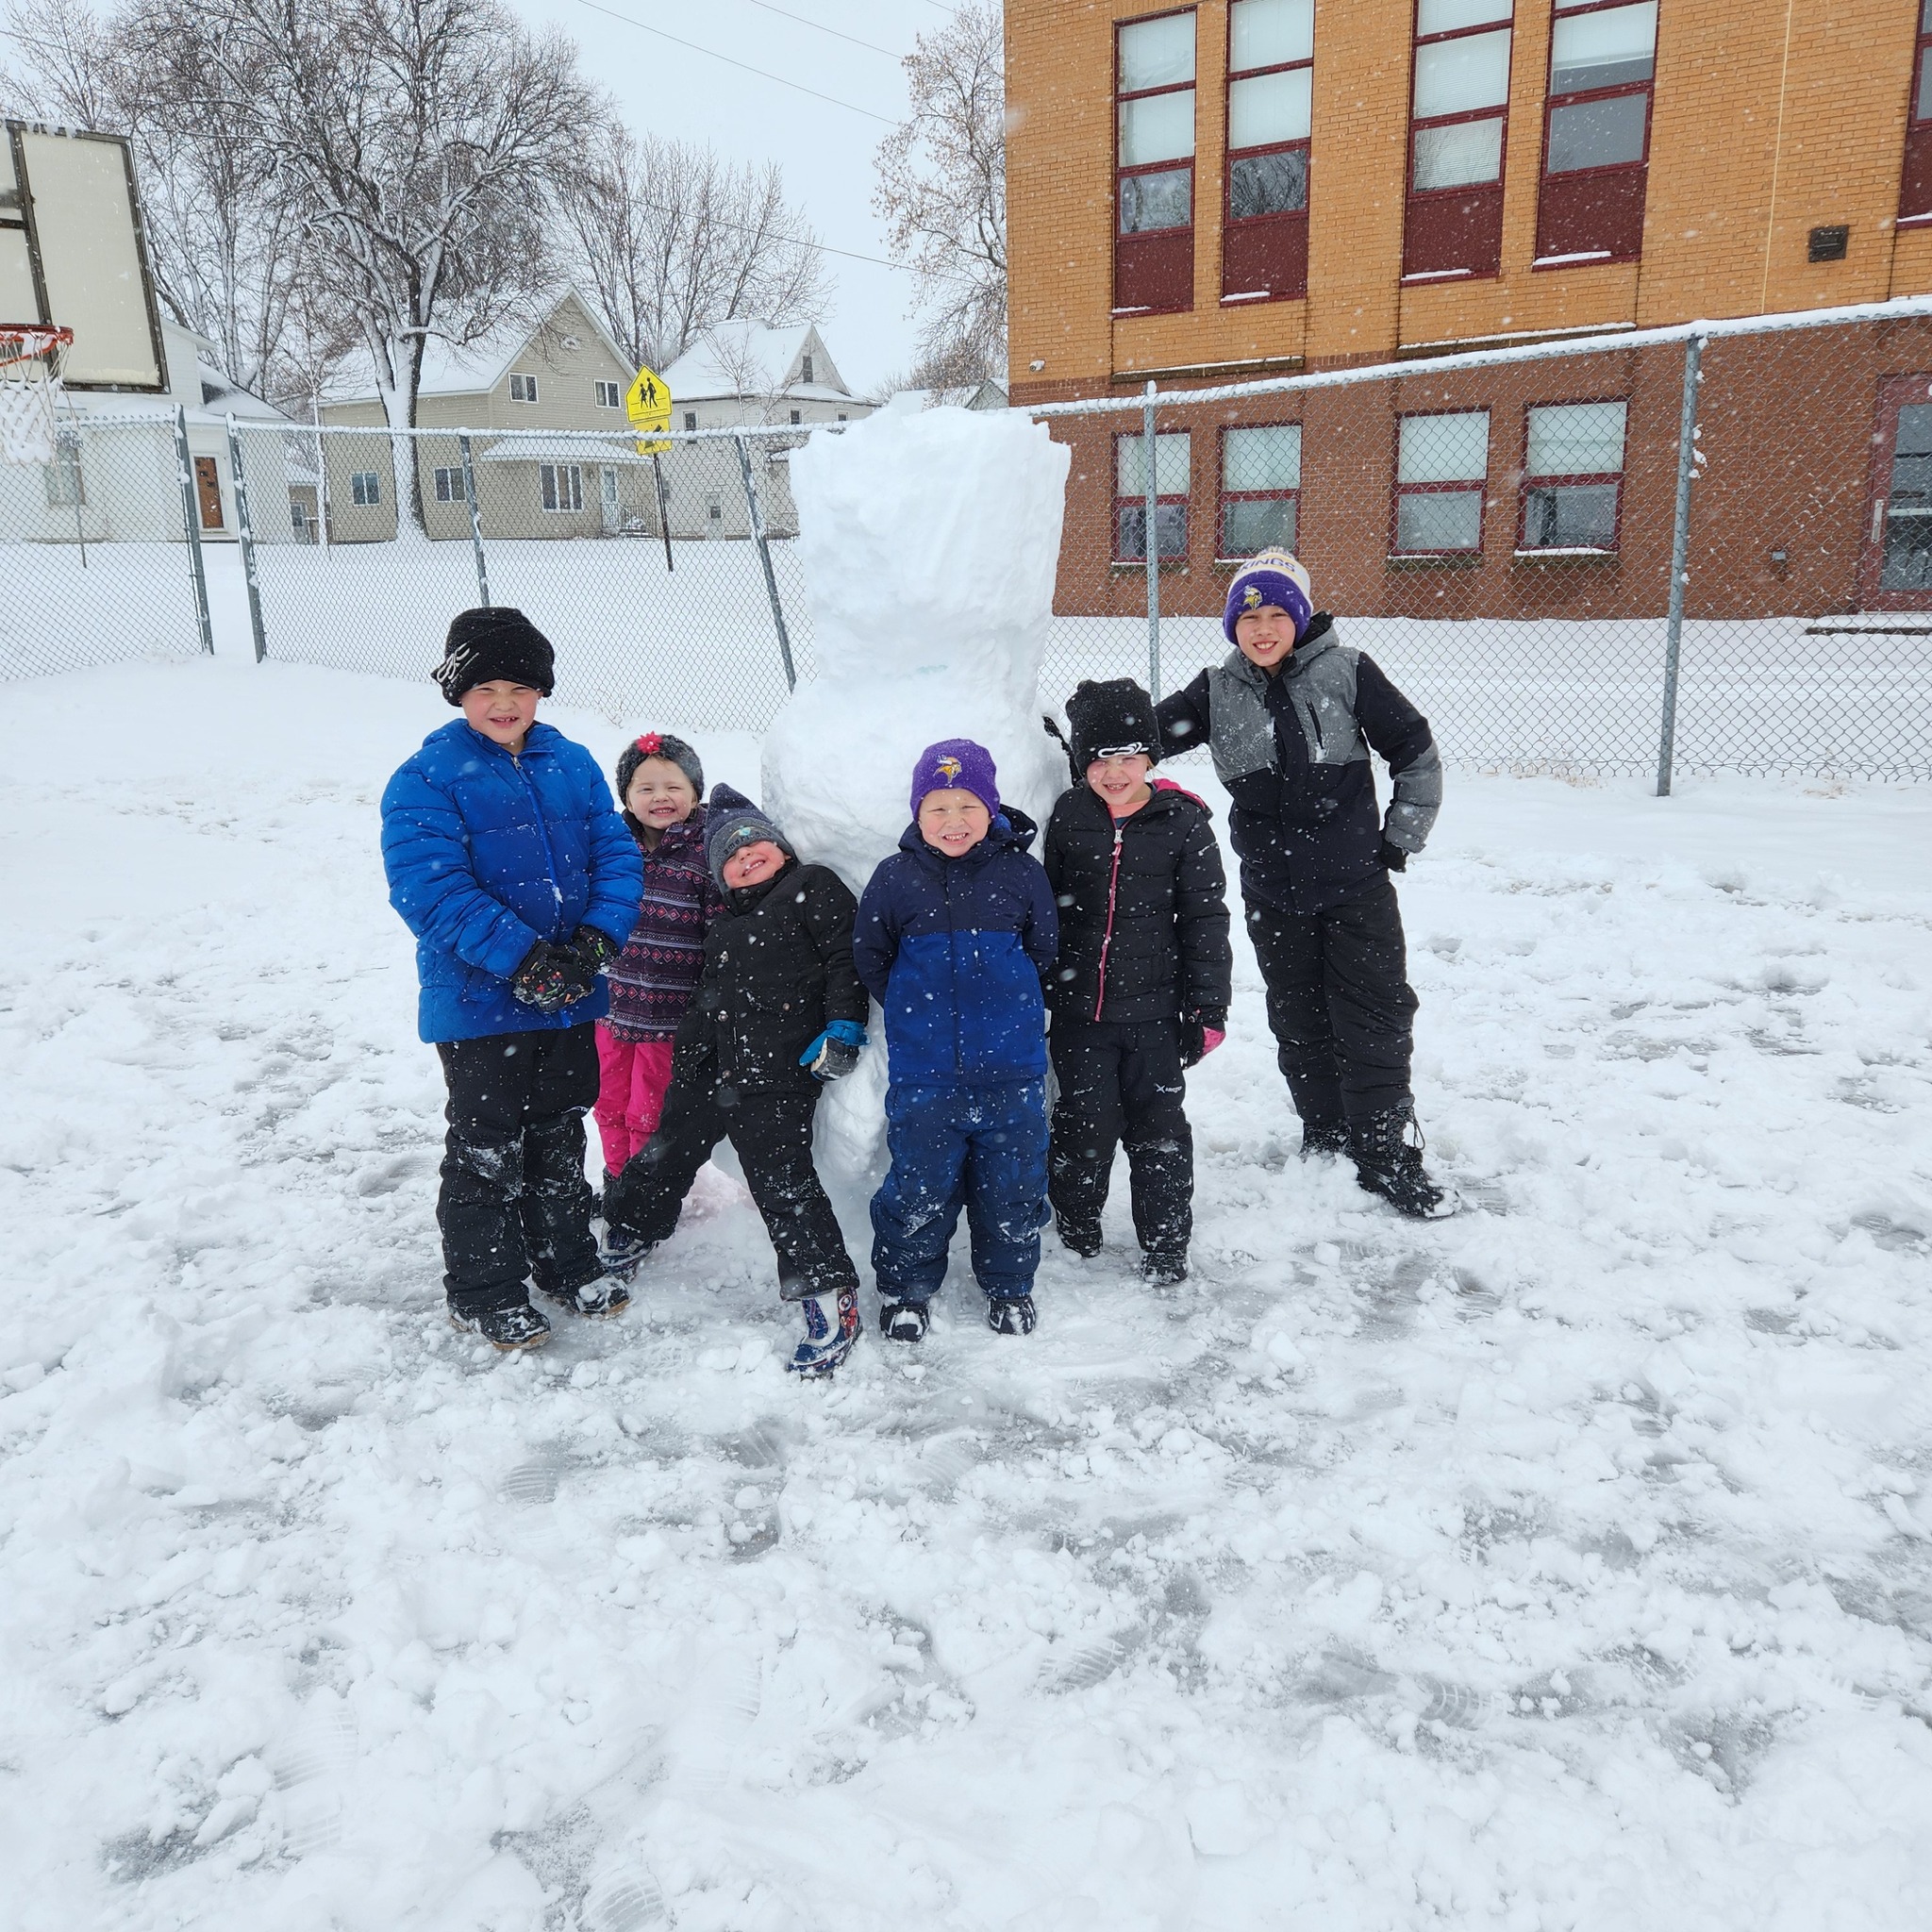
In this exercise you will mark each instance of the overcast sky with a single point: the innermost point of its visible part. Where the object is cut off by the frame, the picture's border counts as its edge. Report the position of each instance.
(825, 150)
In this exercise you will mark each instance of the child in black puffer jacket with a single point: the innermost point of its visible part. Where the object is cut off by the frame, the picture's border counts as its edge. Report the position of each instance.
(779, 1011)
(1140, 991)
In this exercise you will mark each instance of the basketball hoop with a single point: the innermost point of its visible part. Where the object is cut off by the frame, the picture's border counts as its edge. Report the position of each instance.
(31, 357)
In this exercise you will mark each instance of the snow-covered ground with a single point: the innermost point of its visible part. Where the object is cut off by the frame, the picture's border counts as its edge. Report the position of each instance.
(1568, 1565)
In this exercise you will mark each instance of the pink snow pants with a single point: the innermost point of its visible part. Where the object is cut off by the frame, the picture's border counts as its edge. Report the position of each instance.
(630, 1095)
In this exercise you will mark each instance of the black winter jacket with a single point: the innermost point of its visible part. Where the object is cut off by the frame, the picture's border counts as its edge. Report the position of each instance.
(1304, 821)
(777, 970)
(1143, 909)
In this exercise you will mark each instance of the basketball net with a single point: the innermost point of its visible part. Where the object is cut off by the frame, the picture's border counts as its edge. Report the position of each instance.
(29, 386)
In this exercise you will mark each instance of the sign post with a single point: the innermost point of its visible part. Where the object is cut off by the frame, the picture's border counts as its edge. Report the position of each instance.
(648, 405)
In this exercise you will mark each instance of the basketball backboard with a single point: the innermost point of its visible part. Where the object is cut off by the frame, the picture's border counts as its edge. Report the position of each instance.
(71, 254)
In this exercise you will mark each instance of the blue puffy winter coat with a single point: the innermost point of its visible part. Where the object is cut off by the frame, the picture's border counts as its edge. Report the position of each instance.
(486, 854)
(953, 949)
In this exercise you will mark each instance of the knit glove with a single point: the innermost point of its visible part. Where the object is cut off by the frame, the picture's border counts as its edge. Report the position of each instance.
(835, 1052)
(550, 978)
(1393, 857)
(1201, 1033)
(594, 949)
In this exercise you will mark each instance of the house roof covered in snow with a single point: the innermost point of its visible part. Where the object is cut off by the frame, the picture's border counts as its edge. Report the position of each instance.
(752, 359)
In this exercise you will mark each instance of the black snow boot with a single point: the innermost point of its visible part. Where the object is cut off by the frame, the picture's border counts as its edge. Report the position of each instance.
(903, 1321)
(1324, 1137)
(602, 1296)
(1010, 1314)
(1080, 1238)
(1164, 1269)
(505, 1328)
(1388, 1149)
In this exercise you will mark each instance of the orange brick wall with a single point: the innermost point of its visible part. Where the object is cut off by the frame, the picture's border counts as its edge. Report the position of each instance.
(1755, 140)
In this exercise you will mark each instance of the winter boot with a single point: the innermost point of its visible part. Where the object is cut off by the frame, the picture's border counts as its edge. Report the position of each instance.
(505, 1329)
(602, 1296)
(1164, 1268)
(831, 1327)
(1080, 1238)
(621, 1252)
(903, 1321)
(1388, 1149)
(1324, 1137)
(1010, 1314)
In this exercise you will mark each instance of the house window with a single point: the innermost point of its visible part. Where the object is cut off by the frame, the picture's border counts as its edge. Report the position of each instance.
(1260, 485)
(609, 395)
(805, 373)
(365, 487)
(1572, 476)
(714, 509)
(690, 419)
(522, 388)
(1271, 51)
(449, 486)
(1171, 464)
(1153, 242)
(842, 415)
(1441, 464)
(1596, 133)
(66, 485)
(560, 486)
(1459, 112)
(1915, 189)
(794, 415)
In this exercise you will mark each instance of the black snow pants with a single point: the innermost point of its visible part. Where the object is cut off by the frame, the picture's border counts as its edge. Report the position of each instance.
(1339, 1004)
(514, 1201)
(771, 1128)
(1123, 1084)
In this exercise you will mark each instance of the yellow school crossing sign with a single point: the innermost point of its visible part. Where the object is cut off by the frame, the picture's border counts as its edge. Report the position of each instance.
(648, 405)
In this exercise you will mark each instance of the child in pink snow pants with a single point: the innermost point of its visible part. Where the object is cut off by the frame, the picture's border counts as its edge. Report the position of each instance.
(659, 782)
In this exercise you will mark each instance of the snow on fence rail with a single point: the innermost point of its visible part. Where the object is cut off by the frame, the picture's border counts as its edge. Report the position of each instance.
(1704, 547)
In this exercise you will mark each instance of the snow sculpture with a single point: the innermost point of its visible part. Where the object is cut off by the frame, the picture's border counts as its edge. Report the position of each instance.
(930, 542)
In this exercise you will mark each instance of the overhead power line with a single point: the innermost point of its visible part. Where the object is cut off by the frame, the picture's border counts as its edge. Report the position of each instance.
(819, 26)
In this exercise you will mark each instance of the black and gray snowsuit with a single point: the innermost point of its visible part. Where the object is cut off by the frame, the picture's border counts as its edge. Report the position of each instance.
(1293, 749)
(1144, 962)
(777, 970)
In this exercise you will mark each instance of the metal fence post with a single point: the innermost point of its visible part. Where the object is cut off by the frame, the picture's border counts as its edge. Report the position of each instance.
(757, 534)
(1152, 545)
(247, 532)
(1680, 559)
(475, 523)
(191, 528)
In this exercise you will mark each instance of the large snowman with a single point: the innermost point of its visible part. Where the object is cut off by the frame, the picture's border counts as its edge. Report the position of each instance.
(929, 541)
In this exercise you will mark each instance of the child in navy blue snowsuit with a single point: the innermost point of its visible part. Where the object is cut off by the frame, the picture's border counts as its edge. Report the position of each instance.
(954, 933)
(507, 861)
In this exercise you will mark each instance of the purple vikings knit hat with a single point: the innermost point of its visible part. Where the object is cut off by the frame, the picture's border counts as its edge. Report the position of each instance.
(956, 764)
(1271, 576)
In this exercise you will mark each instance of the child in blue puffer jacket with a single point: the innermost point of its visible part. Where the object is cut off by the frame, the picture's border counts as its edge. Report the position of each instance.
(954, 933)
(507, 861)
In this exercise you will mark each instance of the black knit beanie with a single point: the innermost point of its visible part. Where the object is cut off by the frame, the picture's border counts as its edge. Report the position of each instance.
(1111, 717)
(498, 641)
(658, 745)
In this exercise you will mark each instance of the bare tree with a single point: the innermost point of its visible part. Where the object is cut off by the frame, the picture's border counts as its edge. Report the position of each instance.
(942, 194)
(668, 240)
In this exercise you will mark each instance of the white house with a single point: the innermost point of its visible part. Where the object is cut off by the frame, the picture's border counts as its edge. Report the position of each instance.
(748, 374)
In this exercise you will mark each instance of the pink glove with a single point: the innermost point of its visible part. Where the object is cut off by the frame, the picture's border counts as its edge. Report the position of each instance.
(1209, 1041)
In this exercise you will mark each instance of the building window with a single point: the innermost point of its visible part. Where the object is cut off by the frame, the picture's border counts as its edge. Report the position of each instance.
(1154, 185)
(690, 419)
(1264, 245)
(66, 485)
(1573, 475)
(805, 373)
(609, 395)
(714, 510)
(365, 487)
(842, 415)
(1260, 487)
(1441, 464)
(1596, 133)
(1915, 189)
(522, 388)
(1171, 464)
(794, 415)
(560, 486)
(449, 486)
(1895, 572)
(1459, 113)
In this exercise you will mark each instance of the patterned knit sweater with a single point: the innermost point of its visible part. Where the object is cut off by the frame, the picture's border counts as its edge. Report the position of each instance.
(653, 980)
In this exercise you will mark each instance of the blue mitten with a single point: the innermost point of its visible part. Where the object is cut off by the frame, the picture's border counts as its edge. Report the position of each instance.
(835, 1052)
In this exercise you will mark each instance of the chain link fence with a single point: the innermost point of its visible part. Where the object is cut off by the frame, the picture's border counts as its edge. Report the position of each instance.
(1703, 548)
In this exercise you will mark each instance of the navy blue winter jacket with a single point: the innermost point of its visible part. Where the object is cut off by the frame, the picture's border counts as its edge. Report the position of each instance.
(486, 854)
(953, 949)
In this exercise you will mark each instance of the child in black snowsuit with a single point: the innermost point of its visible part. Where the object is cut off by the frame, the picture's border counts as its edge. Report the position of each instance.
(1289, 717)
(1140, 991)
(778, 1011)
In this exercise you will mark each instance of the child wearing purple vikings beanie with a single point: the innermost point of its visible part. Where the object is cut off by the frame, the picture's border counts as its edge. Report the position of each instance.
(955, 931)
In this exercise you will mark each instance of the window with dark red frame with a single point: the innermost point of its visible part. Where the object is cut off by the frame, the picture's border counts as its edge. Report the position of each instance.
(1264, 245)
(1915, 187)
(1154, 184)
(1572, 476)
(1171, 466)
(1442, 465)
(1260, 489)
(1597, 132)
(1458, 116)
